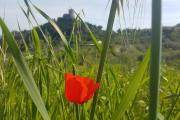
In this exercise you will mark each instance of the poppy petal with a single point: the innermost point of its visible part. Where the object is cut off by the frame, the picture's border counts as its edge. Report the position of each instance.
(79, 89)
(92, 87)
(84, 89)
(75, 90)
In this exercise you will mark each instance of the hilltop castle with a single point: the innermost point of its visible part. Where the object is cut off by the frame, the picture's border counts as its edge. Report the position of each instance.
(70, 15)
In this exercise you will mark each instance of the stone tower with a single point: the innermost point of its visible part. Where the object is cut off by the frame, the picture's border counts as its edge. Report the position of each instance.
(71, 13)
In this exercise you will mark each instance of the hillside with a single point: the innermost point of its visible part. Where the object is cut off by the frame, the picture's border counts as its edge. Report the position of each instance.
(139, 40)
(66, 23)
(129, 41)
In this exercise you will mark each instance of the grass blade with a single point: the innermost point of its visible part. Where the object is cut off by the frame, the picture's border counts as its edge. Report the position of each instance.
(37, 42)
(94, 39)
(155, 59)
(22, 37)
(132, 87)
(24, 71)
(66, 44)
(104, 52)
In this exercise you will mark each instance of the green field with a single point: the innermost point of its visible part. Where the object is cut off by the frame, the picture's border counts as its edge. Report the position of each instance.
(32, 85)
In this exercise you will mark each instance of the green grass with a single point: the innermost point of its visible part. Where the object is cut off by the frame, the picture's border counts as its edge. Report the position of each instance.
(155, 66)
(32, 81)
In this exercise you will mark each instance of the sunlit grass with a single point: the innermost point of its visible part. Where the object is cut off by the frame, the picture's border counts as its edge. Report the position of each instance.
(32, 81)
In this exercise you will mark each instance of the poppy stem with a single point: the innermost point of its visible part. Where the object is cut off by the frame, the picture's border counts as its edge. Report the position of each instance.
(104, 51)
(73, 69)
(76, 106)
(77, 112)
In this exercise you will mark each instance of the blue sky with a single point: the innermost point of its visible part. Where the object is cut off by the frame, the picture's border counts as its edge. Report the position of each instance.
(96, 12)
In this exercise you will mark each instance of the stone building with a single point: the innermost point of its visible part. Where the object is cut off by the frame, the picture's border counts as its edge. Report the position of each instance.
(70, 15)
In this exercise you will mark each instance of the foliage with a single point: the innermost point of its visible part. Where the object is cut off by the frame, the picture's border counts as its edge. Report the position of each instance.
(124, 79)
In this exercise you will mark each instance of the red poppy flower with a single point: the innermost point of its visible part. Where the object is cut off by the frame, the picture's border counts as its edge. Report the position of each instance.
(79, 89)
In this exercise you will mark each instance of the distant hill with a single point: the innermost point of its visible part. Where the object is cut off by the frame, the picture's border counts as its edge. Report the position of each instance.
(65, 23)
(137, 39)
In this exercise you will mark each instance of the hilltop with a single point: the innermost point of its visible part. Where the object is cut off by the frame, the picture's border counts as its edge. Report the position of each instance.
(66, 24)
(136, 41)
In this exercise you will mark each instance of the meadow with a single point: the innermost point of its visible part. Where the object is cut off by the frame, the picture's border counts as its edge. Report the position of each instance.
(32, 83)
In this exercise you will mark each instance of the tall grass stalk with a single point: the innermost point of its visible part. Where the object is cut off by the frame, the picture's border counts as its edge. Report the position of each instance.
(155, 59)
(104, 51)
(24, 71)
